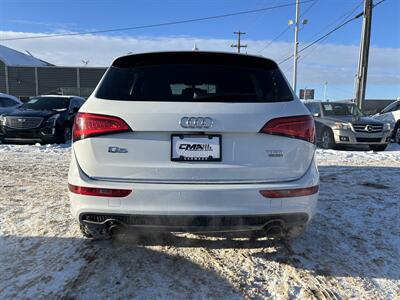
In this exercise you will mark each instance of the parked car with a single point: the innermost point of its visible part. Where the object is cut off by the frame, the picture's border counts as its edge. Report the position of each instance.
(8, 103)
(397, 137)
(44, 119)
(391, 114)
(343, 124)
(193, 141)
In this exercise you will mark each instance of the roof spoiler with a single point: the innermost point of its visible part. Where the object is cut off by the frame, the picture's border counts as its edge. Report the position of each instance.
(194, 57)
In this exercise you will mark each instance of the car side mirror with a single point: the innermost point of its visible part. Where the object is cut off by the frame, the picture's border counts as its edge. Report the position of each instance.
(316, 115)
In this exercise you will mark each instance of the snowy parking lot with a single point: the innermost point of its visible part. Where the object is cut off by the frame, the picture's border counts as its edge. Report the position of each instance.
(351, 249)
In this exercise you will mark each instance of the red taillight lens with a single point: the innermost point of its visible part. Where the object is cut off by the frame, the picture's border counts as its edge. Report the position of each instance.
(87, 125)
(299, 127)
(100, 192)
(290, 192)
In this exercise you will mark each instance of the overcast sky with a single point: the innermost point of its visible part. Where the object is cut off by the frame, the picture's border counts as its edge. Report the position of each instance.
(333, 61)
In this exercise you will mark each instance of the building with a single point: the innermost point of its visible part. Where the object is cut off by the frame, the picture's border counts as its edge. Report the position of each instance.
(24, 76)
(373, 106)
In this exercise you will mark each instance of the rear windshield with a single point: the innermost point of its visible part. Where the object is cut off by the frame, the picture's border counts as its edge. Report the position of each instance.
(194, 83)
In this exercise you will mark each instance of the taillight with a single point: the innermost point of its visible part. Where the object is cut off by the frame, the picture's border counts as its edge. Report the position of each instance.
(286, 193)
(88, 125)
(299, 127)
(100, 192)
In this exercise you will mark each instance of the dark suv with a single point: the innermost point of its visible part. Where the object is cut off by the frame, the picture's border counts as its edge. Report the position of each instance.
(44, 119)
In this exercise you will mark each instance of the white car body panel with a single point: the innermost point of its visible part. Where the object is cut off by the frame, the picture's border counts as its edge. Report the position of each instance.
(245, 151)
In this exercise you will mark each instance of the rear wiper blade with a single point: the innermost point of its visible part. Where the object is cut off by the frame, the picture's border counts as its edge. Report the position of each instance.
(224, 95)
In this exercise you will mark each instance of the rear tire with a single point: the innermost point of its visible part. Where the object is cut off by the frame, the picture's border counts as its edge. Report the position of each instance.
(395, 134)
(378, 148)
(67, 135)
(327, 139)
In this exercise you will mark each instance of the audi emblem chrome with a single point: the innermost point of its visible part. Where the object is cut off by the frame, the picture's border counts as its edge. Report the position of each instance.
(196, 122)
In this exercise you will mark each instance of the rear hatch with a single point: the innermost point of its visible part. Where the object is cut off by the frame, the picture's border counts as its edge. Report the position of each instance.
(194, 117)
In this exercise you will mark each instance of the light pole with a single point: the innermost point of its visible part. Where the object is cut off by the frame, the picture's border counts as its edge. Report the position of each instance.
(355, 88)
(296, 24)
(325, 86)
(364, 54)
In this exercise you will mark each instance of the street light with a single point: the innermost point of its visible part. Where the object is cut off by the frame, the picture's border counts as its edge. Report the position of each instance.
(325, 86)
(296, 24)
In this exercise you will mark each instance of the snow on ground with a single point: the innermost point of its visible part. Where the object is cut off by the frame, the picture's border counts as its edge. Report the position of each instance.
(351, 249)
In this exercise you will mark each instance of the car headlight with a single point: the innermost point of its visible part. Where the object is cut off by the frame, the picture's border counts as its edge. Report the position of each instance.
(53, 119)
(386, 127)
(342, 126)
(2, 119)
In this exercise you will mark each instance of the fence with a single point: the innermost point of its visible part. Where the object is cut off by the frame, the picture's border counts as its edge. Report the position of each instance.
(32, 81)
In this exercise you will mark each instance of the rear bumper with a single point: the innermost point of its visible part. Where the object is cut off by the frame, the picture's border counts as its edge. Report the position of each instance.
(193, 207)
(179, 223)
(349, 137)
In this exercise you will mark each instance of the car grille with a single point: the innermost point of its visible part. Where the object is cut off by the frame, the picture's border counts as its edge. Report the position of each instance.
(368, 140)
(369, 128)
(23, 122)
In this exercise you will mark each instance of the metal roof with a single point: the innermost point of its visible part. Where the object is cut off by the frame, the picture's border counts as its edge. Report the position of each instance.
(13, 57)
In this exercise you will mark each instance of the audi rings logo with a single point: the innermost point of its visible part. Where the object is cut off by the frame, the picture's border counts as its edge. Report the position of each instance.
(196, 122)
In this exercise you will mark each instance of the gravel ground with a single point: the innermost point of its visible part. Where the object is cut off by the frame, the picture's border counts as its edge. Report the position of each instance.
(351, 249)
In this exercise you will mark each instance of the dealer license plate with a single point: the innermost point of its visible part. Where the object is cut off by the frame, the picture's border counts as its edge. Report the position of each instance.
(196, 148)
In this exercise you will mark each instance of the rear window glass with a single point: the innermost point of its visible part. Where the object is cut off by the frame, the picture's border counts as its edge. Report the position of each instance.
(194, 83)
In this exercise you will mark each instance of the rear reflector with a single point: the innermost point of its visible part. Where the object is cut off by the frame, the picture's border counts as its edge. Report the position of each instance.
(290, 192)
(88, 125)
(100, 192)
(299, 127)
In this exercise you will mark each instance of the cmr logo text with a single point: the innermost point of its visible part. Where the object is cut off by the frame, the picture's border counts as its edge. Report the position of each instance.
(195, 147)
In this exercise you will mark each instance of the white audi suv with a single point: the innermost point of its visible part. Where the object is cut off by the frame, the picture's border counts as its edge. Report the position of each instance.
(193, 142)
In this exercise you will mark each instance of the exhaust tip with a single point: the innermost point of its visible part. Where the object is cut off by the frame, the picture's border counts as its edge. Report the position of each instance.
(113, 227)
(274, 228)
